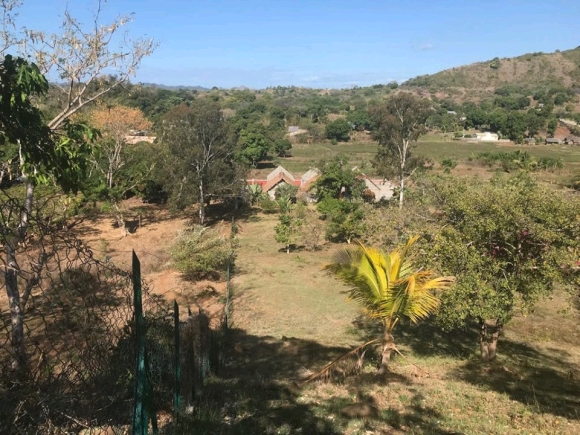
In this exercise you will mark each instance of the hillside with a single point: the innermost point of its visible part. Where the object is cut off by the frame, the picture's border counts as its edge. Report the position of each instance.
(529, 72)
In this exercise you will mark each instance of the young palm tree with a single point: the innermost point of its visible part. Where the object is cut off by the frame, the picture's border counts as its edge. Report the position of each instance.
(389, 287)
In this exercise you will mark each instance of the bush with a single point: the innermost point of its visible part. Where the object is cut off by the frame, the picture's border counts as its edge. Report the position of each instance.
(448, 165)
(200, 252)
(268, 205)
(338, 130)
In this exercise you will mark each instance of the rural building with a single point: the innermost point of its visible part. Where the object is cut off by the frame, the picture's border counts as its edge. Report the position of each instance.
(572, 140)
(530, 140)
(381, 188)
(553, 141)
(280, 176)
(487, 136)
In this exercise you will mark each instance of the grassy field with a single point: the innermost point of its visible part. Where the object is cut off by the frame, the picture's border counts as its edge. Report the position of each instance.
(290, 319)
(306, 156)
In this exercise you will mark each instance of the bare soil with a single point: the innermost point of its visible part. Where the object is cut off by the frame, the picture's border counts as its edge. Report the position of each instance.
(151, 241)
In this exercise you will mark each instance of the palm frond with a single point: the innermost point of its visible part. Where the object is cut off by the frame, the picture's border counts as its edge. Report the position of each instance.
(387, 286)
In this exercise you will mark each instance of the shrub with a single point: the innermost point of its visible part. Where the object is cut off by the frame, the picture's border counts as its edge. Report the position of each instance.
(200, 252)
(448, 165)
(338, 130)
(268, 205)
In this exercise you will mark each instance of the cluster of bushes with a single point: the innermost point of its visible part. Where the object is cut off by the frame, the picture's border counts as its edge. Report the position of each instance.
(513, 160)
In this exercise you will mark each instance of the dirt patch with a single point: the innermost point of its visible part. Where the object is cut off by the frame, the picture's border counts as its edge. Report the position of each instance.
(152, 240)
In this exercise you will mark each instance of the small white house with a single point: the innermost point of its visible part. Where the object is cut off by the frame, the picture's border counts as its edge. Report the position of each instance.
(487, 136)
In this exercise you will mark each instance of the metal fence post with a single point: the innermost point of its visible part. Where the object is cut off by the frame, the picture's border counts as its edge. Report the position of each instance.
(144, 409)
(177, 392)
(140, 418)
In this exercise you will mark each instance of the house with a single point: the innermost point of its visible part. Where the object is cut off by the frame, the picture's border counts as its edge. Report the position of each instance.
(553, 141)
(281, 176)
(382, 189)
(572, 140)
(530, 140)
(486, 136)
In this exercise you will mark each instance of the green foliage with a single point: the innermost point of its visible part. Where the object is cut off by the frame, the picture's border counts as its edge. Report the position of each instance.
(282, 147)
(286, 192)
(448, 164)
(505, 241)
(552, 125)
(344, 219)
(46, 155)
(339, 130)
(518, 160)
(389, 286)
(253, 144)
(268, 205)
(288, 229)
(201, 252)
(495, 63)
(399, 122)
(359, 119)
(255, 193)
(198, 155)
(337, 180)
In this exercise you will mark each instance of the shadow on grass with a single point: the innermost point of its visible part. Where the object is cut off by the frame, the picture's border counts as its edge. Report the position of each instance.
(541, 379)
(258, 392)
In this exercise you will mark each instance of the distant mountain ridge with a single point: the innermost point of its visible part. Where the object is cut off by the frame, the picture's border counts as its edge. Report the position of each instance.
(529, 71)
(173, 88)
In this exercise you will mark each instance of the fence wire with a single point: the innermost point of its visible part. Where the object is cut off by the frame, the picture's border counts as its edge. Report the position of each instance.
(78, 335)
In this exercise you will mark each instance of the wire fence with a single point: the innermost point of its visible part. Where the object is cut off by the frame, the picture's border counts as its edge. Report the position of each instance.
(98, 349)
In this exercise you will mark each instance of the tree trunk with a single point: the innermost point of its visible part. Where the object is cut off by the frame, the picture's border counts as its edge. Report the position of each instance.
(19, 360)
(489, 335)
(201, 204)
(388, 349)
(401, 190)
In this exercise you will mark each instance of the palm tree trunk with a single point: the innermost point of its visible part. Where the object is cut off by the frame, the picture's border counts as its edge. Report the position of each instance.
(388, 348)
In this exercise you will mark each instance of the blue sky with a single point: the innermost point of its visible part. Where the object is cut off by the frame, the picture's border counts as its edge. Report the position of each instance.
(325, 43)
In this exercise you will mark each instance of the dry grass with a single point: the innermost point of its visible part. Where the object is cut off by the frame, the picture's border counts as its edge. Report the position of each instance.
(290, 319)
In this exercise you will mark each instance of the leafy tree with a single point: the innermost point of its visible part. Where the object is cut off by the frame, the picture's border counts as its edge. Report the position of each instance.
(400, 121)
(507, 242)
(282, 147)
(253, 145)
(114, 123)
(288, 229)
(389, 287)
(360, 119)
(344, 219)
(200, 155)
(515, 126)
(497, 120)
(552, 126)
(534, 122)
(337, 180)
(43, 157)
(339, 130)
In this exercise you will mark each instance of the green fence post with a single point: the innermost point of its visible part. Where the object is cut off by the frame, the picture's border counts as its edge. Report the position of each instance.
(140, 418)
(177, 392)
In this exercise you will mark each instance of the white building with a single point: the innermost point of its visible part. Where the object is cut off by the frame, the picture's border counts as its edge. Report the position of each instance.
(487, 136)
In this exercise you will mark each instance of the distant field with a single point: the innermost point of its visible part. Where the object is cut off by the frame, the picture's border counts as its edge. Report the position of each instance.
(305, 156)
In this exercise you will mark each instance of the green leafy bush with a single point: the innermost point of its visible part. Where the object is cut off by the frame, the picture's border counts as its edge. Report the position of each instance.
(200, 252)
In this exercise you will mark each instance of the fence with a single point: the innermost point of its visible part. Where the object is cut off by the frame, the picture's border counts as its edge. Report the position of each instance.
(86, 324)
